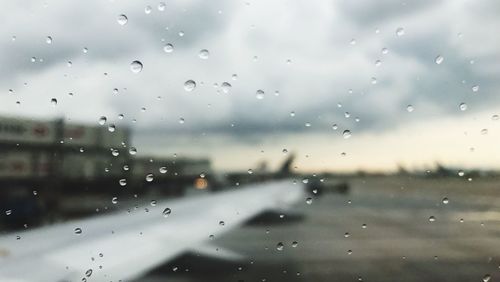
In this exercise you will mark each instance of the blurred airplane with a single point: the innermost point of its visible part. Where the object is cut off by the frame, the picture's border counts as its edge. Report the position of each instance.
(127, 244)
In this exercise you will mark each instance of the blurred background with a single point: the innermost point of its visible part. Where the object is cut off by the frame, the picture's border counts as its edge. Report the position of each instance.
(391, 105)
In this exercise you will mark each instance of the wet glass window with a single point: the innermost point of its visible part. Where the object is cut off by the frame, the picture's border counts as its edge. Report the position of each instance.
(249, 140)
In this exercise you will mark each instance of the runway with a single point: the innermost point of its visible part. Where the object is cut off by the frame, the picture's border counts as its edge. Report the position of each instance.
(382, 231)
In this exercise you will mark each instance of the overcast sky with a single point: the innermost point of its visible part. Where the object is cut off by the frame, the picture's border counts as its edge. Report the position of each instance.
(399, 69)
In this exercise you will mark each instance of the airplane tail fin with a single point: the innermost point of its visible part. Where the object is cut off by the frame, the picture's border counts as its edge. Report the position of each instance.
(286, 167)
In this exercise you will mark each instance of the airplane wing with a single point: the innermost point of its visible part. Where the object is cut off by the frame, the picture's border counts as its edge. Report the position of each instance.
(127, 244)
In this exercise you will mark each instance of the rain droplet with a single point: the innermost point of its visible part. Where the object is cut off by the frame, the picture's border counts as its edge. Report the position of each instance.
(114, 200)
(309, 201)
(161, 6)
(148, 10)
(85, 50)
(222, 223)
(445, 200)
(385, 50)
(295, 244)
(400, 31)
(259, 94)
(346, 134)
(432, 218)
(78, 231)
(115, 153)
(461, 173)
(439, 59)
(102, 120)
(203, 54)
(136, 66)
(168, 48)
(484, 131)
(48, 40)
(149, 177)
(8, 212)
(53, 101)
(374, 80)
(123, 182)
(189, 85)
(486, 278)
(166, 212)
(346, 235)
(475, 88)
(153, 203)
(335, 126)
(122, 19)
(495, 117)
(250, 171)
(410, 108)
(226, 87)
(132, 150)
(111, 128)
(88, 273)
(163, 170)
(463, 106)
(280, 246)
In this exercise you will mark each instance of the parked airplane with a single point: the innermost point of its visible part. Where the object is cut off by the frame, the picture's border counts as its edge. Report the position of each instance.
(127, 244)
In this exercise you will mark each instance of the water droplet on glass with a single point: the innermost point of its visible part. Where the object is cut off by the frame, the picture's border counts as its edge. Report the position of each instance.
(153, 203)
(163, 170)
(432, 218)
(111, 128)
(295, 244)
(161, 6)
(234, 77)
(226, 87)
(132, 150)
(439, 59)
(280, 246)
(88, 273)
(475, 88)
(78, 231)
(48, 40)
(378, 63)
(495, 117)
(181, 33)
(374, 80)
(346, 134)
(445, 200)
(182, 121)
(259, 94)
(250, 171)
(309, 201)
(85, 50)
(123, 182)
(222, 223)
(102, 120)
(385, 51)
(136, 66)
(410, 108)
(486, 278)
(114, 200)
(461, 173)
(484, 131)
(148, 10)
(335, 126)
(168, 48)
(149, 177)
(346, 235)
(463, 106)
(189, 85)
(122, 19)
(115, 153)
(400, 31)
(203, 54)
(166, 212)
(53, 101)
